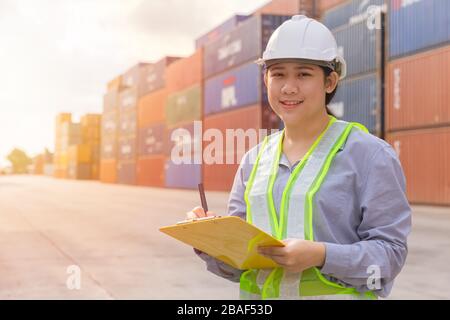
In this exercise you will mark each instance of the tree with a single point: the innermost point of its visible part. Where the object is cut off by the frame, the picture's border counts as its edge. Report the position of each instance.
(19, 161)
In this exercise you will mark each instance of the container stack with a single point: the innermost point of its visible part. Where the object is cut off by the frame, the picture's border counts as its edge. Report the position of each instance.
(109, 132)
(84, 158)
(235, 97)
(127, 131)
(151, 124)
(310, 8)
(359, 31)
(418, 96)
(67, 134)
(183, 113)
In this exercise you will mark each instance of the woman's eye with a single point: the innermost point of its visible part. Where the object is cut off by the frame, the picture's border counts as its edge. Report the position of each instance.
(303, 74)
(277, 74)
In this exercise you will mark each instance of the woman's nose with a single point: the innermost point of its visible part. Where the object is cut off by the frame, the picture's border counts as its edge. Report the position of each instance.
(289, 88)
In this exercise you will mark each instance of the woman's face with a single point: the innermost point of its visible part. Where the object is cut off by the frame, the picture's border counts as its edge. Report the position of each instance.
(297, 91)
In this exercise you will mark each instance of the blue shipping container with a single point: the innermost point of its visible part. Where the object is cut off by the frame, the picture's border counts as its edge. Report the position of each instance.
(182, 175)
(245, 43)
(233, 89)
(215, 33)
(359, 100)
(417, 25)
(349, 12)
(152, 140)
(360, 46)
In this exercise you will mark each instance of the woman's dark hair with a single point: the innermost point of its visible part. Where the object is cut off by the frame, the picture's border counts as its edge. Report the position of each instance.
(328, 96)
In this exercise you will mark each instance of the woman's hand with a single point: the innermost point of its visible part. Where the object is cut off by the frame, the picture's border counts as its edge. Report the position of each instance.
(297, 255)
(198, 212)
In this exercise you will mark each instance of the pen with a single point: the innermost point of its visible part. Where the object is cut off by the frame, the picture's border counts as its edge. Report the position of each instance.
(203, 198)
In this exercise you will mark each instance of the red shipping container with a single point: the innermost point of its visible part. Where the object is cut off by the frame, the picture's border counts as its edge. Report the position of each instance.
(424, 155)
(108, 171)
(152, 108)
(324, 5)
(220, 176)
(185, 72)
(418, 90)
(150, 171)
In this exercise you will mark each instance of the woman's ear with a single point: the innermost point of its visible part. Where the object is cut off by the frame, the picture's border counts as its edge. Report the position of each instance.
(331, 82)
(266, 72)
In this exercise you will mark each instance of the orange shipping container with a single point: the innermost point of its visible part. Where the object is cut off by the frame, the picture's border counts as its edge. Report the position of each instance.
(115, 84)
(424, 155)
(151, 108)
(220, 176)
(324, 5)
(150, 171)
(289, 7)
(185, 72)
(418, 90)
(108, 171)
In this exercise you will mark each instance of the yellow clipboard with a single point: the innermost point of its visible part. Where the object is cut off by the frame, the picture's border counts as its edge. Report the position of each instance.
(229, 239)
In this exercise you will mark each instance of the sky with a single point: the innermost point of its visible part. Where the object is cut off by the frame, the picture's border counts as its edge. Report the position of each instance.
(57, 55)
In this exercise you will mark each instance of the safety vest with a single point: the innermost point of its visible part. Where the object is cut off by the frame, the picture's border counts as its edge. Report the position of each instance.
(295, 215)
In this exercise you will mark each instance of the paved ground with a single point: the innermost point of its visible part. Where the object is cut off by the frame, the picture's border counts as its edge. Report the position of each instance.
(111, 233)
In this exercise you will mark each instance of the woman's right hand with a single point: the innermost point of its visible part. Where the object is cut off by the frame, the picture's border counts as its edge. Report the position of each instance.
(198, 212)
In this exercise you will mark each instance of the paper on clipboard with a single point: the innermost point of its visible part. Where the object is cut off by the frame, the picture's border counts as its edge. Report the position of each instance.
(229, 239)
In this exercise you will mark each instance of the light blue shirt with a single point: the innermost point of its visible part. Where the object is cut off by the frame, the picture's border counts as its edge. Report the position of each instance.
(361, 212)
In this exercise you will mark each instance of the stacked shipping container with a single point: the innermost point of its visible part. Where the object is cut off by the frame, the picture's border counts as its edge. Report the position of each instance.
(183, 110)
(417, 96)
(67, 134)
(151, 125)
(359, 31)
(235, 96)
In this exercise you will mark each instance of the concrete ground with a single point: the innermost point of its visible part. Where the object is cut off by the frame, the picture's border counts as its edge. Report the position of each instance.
(111, 233)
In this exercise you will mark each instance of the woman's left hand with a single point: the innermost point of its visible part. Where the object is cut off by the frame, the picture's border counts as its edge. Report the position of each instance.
(297, 255)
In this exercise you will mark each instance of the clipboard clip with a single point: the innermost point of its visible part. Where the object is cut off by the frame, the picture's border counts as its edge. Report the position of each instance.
(197, 219)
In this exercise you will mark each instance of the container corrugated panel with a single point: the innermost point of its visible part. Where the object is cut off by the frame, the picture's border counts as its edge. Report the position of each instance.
(81, 171)
(127, 148)
(150, 171)
(220, 175)
(186, 137)
(360, 46)
(325, 5)
(134, 75)
(418, 90)
(80, 154)
(289, 7)
(359, 100)
(115, 84)
(417, 25)
(424, 157)
(110, 101)
(245, 43)
(152, 140)
(110, 123)
(151, 108)
(185, 176)
(233, 89)
(109, 148)
(215, 33)
(126, 172)
(154, 76)
(184, 106)
(185, 72)
(128, 99)
(349, 12)
(108, 171)
(128, 123)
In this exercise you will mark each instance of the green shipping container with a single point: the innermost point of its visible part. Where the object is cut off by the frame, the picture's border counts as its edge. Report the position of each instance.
(184, 106)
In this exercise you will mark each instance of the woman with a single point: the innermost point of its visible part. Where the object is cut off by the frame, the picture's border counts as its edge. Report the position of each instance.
(331, 191)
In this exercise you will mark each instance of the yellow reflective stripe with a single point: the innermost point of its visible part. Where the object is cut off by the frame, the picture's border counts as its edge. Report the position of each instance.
(273, 174)
(360, 126)
(251, 180)
(284, 207)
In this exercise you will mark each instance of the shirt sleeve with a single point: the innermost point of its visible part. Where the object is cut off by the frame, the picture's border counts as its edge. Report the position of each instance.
(236, 207)
(374, 261)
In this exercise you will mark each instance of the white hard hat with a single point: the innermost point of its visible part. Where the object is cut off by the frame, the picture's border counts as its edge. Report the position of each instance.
(306, 39)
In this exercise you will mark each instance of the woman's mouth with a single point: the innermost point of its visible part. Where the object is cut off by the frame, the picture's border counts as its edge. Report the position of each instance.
(290, 104)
